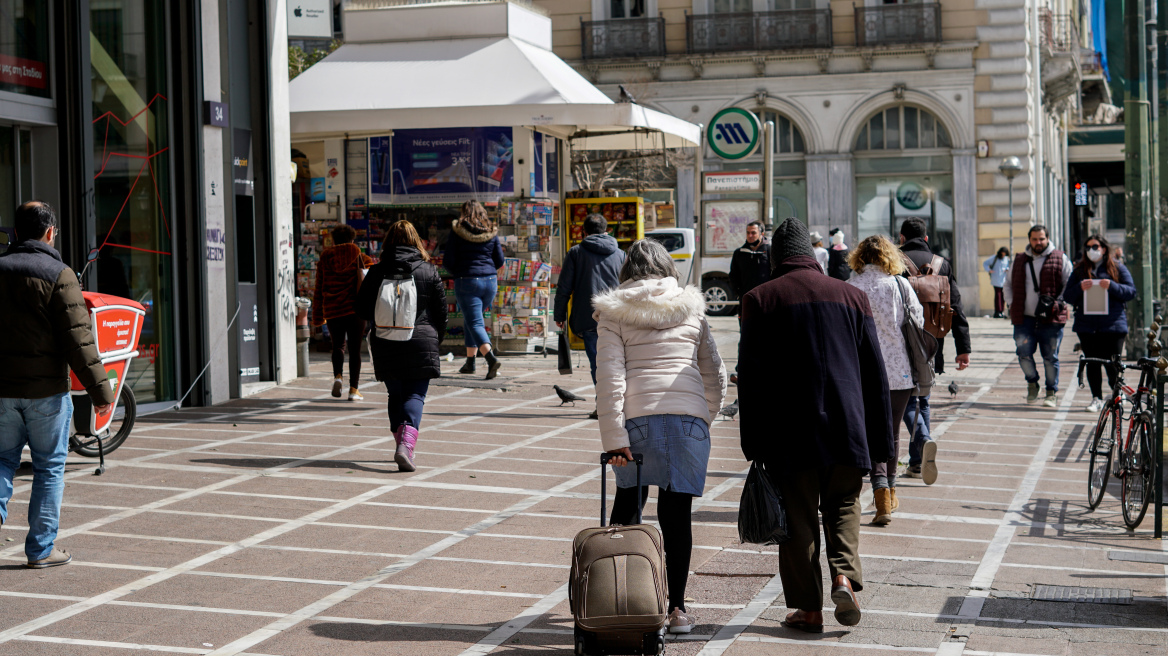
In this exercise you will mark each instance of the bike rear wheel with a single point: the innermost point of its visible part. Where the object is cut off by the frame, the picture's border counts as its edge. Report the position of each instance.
(1106, 436)
(119, 429)
(1139, 472)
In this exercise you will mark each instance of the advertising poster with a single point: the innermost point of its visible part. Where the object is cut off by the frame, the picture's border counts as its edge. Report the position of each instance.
(316, 190)
(442, 165)
(726, 223)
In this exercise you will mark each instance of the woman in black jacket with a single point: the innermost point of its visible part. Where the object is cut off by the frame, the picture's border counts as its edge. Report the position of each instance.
(406, 366)
(473, 256)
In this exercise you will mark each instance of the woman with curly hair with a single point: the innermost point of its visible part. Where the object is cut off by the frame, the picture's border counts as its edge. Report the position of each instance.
(878, 266)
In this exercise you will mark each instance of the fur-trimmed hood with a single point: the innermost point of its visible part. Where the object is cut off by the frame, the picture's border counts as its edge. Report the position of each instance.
(655, 303)
(473, 237)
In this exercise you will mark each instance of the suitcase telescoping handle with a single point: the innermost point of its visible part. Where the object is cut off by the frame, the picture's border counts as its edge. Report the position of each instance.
(604, 458)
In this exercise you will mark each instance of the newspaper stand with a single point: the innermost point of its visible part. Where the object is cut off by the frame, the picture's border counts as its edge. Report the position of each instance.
(117, 325)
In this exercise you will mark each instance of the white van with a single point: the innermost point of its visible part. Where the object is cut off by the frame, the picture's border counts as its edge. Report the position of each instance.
(715, 270)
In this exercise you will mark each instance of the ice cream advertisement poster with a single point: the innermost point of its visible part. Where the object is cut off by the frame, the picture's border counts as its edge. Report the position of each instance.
(725, 223)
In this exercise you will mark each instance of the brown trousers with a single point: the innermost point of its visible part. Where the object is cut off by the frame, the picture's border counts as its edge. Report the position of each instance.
(834, 492)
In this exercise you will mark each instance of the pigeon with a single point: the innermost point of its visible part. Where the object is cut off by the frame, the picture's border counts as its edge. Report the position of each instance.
(953, 389)
(730, 410)
(625, 96)
(566, 396)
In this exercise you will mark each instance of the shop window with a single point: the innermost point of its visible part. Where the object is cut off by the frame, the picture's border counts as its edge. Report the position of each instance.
(24, 47)
(131, 187)
(904, 169)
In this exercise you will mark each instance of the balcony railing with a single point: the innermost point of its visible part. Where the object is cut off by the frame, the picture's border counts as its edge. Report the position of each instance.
(1059, 32)
(761, 30)
(889, 24)
(623, 37)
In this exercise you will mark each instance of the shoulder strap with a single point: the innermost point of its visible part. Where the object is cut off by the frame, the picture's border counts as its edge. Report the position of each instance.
(1033, 278)
(935, 265)
(910, 265)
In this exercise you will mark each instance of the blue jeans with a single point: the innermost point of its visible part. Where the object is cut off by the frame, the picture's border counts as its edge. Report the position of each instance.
(916, 420)
(42, 424)
(590, 337)
(1046, 338)
(406, 399)
(475, 296)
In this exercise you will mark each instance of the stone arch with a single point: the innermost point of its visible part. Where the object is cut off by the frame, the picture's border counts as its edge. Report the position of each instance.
(960, 134)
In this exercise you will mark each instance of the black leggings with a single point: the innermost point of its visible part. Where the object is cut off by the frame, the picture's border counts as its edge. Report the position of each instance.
(1103, 346)
(350, 329)
(673, 514)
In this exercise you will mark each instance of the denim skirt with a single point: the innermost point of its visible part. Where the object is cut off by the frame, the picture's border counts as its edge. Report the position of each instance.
(676, 449)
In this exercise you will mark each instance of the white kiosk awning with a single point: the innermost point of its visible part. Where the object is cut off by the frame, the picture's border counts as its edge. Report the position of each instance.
(371, 88)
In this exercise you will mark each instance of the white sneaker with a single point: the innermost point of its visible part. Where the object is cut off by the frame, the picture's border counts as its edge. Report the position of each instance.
(680, 622)
(337, 385)
(1051, 400)
(355, 394)
(1095, 405)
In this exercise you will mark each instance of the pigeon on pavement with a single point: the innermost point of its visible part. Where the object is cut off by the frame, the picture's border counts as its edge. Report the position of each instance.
(730, 410)
(953, 389)
(566, 396)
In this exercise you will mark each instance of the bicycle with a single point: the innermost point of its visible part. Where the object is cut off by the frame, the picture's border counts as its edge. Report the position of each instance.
(1133, 459)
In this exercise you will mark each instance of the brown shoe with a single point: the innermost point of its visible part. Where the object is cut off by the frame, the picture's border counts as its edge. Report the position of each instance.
(57, 557)
(847, 606)
(806, 621)
(883, 506)
(895, 503)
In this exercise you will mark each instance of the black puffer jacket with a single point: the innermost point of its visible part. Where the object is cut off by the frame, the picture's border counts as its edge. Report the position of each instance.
(750, 267)
(417, 358)
(47, 328)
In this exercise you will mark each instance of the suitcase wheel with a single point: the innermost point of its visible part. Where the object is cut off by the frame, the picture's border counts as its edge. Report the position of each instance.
(653, 644)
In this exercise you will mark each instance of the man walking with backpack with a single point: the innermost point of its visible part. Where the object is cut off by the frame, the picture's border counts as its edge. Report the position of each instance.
(922, 450)
(590, 267)
(1034, 290)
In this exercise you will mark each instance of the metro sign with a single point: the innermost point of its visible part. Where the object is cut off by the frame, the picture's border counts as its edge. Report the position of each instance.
(733, 133)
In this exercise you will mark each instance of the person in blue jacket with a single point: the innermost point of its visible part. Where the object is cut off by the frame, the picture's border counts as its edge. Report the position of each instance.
(1101, 336)
(473, 256)
(997, 266)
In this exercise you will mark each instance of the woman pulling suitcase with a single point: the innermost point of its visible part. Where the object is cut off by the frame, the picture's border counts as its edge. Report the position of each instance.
(660, 382)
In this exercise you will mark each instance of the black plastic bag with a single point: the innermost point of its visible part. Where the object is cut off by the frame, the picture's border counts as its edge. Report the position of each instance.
(564, 354)
(762, 519)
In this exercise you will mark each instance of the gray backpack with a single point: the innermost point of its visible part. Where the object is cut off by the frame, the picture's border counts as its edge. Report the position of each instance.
(397, 305)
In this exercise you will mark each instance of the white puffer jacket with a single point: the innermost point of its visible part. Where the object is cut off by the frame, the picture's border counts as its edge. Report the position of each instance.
(654, 356)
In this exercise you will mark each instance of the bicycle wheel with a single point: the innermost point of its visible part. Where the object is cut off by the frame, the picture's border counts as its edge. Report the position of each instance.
(1139, 472)
(1106, 436)
(119, 428)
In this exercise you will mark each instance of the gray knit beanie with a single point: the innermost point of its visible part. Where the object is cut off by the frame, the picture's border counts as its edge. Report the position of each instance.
(790, 239)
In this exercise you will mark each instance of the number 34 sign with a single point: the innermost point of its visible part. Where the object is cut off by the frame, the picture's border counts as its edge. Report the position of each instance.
(733, 133)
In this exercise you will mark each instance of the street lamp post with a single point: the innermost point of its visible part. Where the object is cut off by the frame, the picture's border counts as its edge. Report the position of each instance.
(1011, 167)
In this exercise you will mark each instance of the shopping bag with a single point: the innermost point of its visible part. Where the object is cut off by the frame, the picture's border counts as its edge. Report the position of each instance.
(761, 516)
(564, 354)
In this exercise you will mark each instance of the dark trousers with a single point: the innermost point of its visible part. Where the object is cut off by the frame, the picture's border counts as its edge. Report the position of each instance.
(999, 301)
(884, 473)
(347, 329)
(590, 337)
(673, 512)
(406, 400)
(834, 492)
(1103, 346)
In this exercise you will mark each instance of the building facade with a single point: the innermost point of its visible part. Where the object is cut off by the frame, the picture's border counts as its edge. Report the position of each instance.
(158, 130)
(883, 110)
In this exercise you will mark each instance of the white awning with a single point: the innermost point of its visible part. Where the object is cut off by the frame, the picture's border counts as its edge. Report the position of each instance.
(370, 89)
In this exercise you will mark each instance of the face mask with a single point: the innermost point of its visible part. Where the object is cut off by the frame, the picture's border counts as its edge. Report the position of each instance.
(1095, 255)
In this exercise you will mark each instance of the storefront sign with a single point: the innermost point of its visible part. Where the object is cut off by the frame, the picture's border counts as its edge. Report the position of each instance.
(310, 18)
(441, 165)
(733, 181)
(242, 172)
(215, 114)
(726, 223)
(23, 72)
(733, 133)
(1080, 194)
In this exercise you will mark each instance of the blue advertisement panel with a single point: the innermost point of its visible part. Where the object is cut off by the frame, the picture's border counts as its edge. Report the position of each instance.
(443, 165)
(380, 171)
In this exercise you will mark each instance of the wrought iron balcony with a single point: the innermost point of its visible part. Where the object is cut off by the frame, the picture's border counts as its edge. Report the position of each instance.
(898, 24)
(623, 37)
(760, 30)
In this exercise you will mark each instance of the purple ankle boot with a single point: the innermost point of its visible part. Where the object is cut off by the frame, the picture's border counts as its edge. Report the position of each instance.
(405, 448)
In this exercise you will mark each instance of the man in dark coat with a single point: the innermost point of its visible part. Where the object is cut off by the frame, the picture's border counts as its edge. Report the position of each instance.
(922, 450)
(750, 266)
(590, 267)
(47, 332)
(816, 413)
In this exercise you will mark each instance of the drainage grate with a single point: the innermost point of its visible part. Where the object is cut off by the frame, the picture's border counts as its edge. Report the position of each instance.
(1157, 557)
(1082, 595)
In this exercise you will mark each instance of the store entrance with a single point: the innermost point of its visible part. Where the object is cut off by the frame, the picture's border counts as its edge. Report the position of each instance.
(15, 176)
(247, 285)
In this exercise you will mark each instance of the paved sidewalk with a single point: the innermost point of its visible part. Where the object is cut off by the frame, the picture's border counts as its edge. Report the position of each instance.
(278, 525)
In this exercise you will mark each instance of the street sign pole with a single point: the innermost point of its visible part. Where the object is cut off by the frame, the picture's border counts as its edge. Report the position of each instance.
(768, 175)
(696, 270)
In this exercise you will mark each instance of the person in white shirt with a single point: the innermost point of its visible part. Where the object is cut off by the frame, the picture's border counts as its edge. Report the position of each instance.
(820, 251)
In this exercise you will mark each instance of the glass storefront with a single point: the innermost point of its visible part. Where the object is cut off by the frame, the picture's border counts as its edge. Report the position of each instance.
(15, 172)
(24, 47)
(131, 162)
